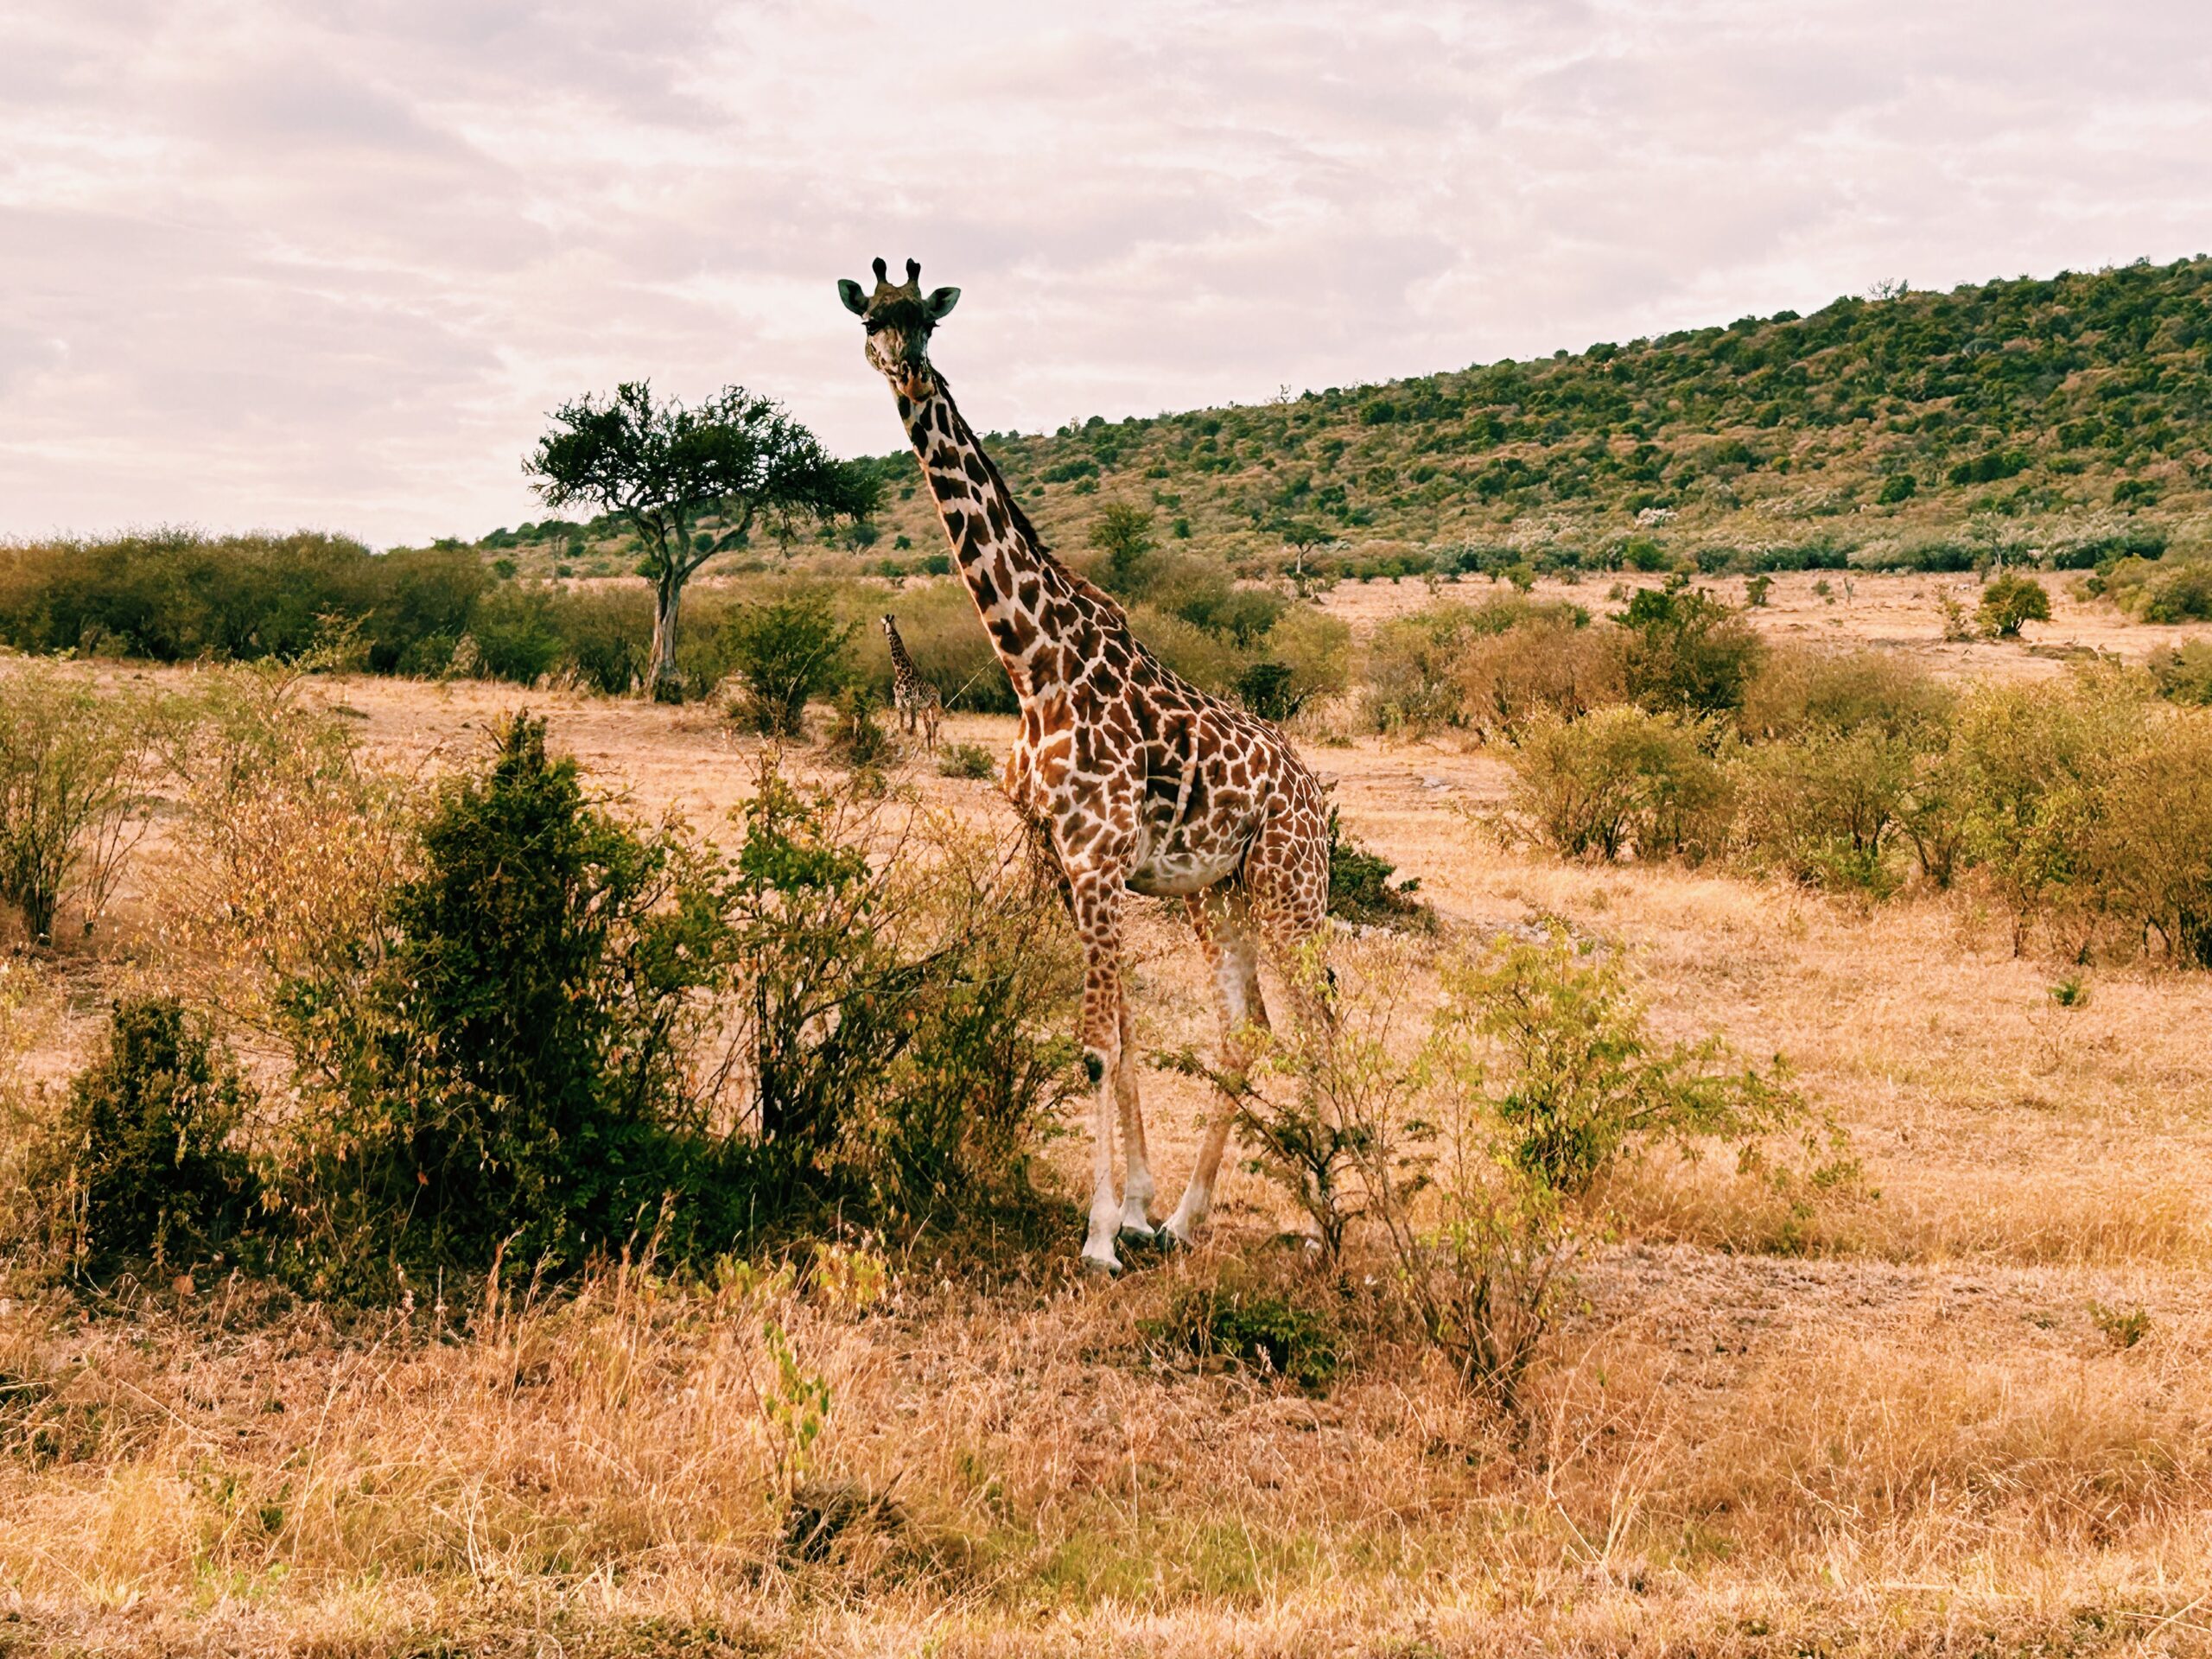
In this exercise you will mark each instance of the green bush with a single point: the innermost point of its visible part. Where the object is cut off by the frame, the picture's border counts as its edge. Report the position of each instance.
(1246, 1318)
(519, 1025)
(2009, 602)
(936, 1079)
(787, 651)
(143, 1167)
(1266, 689)
(1360, 888)
(1687, 652)
(859, 739)
(1316, 649)
(2182, 673)
(1621, 780)
(1123, 535)
(515, 638)
(75, 766)
(1474, 1139)
(512, 1075)
(606, 634)
(970, 760)
(2180, 592)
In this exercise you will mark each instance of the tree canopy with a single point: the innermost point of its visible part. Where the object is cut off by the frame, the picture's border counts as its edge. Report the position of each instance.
(660, 465)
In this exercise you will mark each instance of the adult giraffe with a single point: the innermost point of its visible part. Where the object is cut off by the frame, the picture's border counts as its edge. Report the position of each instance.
(1135, 778)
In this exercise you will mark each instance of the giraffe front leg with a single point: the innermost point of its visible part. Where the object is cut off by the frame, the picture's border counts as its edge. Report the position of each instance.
(1094, 902)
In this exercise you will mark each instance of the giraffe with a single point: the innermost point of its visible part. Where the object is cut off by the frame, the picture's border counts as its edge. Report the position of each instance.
(1133, 779)
(913, 696)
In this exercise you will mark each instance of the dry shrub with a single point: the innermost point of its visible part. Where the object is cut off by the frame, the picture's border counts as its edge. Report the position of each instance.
(1822, 807)
(1621, 780)
(2149, 837)
(75, 765)
(2177, 588)
(1414, 663)
(1473, 1137)
(27, 1010)
(288, 845)
(1549, 665)
(2026, 762)
(1798, 691)
(1212, 662)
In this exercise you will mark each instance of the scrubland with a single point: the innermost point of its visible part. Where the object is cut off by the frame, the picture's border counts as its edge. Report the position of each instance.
(1962, 1404)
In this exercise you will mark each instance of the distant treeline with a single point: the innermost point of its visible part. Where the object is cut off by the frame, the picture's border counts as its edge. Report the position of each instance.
(431, 613)
(175, 596)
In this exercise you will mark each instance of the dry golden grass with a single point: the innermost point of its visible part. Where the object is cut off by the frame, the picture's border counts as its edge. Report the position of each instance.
(1903, 1424)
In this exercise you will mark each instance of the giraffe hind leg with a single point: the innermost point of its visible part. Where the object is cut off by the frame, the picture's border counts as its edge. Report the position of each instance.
(1136, 1228)
(1223, 921)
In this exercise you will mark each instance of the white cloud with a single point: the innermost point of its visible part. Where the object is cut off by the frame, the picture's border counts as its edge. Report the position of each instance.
(269, 264)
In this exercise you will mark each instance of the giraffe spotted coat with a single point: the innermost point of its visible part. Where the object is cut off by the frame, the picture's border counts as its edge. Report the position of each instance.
(1136, 779)
(913, 698)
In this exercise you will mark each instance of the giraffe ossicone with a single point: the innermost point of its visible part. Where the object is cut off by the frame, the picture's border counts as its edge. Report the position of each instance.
(1134, 780)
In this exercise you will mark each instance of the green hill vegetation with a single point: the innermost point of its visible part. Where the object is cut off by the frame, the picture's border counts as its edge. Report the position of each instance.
(2070, 417)
(2067, 418)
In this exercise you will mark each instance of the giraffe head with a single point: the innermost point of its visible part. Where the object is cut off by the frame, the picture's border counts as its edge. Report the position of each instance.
(890, 625)
(899, 320)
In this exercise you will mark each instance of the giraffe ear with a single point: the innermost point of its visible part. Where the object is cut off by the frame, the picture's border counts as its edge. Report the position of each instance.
(940, 303)
(849, 292)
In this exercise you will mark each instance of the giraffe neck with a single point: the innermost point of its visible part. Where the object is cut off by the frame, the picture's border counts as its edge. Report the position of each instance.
(1026, 598)
(900, 662)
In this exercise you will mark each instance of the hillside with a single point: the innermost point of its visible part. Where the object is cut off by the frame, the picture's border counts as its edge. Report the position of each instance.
(2069, 416)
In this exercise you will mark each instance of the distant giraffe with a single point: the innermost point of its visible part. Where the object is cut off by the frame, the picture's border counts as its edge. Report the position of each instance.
(1136, 779)
(913, 696)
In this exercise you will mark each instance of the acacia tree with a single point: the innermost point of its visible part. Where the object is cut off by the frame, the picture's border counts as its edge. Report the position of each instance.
(1302, 535)
(661, 466)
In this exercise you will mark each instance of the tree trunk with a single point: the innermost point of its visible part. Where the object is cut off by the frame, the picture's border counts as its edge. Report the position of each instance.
(661, 677)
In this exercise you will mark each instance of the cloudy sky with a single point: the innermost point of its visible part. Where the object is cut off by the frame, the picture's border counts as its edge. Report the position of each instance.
(278, 264)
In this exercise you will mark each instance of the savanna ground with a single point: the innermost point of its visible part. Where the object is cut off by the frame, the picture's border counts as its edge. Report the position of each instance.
(1971, 1414)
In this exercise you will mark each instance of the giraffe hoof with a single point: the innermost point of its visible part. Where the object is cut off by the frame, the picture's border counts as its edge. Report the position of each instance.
(1132, 1238)
(1167, 1242)
(1094, 1268)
